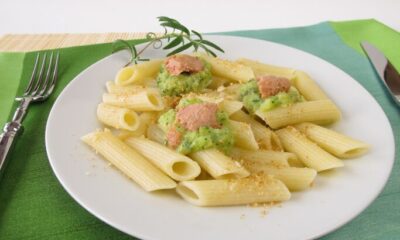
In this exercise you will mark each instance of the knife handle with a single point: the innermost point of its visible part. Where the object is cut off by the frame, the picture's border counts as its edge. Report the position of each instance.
(10, 132)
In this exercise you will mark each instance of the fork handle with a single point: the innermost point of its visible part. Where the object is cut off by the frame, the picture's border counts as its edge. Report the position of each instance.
(10, 131)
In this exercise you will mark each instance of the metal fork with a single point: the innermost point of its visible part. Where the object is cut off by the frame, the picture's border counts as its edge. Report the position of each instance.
(41, 85)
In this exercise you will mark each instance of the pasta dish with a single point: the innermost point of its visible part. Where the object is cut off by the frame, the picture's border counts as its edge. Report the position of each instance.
(220, 132)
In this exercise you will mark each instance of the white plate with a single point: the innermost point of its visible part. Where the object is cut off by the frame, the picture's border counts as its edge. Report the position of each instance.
(335, 199)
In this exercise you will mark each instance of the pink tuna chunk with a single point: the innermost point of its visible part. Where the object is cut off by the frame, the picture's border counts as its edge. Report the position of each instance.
(178, 64)
(173, 137)
(194, 116)
(271, 85)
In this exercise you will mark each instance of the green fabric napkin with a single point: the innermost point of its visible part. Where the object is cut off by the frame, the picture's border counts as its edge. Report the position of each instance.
(10, 73)
(33, 205)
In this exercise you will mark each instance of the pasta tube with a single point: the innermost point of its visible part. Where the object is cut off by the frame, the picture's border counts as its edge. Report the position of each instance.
(218, 165)
(254, 189)
(253, 159)
(308, 87)
(231, 92)
(308, 152)
(119, 118)
(218, 81)
(136, 74)
(230, 106)
(155, 133)
(118, 89)
(175, 165)
(320, 112)
(146, 118)
(228, 69)
(265, 137)
(131, 163)
(141, 101)
(296, 179)
(333, 142)
(243, 135)
(261, 69)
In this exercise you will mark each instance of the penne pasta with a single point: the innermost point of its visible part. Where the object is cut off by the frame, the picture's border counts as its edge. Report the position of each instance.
(295, 162)
(117, 117)
(258, 188)
(231, 70)
(307, 151)
(155, 133)
(262, 69)
(146, 118)
(253, 159)
(275, 142)
(295, 179)
(210, 99)
(138, 73)
(218, 81)
(333, 142)
(243, 135)
(307, 87)
(150, 83)
(320, 112)
(204, 176)
(141, 101)
(127, 160)
(118, 89)
(266, 153)
(265, 137)
(175, 165)
(230, 106)
(231, 92)
(218, 165)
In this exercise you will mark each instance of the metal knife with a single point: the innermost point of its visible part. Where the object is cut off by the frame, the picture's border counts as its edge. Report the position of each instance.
(388, 74)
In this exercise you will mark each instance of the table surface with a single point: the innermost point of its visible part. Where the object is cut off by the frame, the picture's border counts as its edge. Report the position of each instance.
(76, 16)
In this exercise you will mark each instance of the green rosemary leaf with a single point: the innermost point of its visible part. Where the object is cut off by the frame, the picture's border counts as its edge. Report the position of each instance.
(196, 46)
(179, 26)
(197, 34)
(213, 45)
(180, 49)
(184, 29)
(164, 19)
(168, 24)
(125, 45)
(208, 50)
(174, 43)
(175, 25)
(176, 35)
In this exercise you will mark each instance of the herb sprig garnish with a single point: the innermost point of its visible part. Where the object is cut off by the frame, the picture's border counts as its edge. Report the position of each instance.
(178, 39)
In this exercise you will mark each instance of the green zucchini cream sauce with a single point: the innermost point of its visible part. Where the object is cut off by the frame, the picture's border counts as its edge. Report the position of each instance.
(202, 138)
(185, 82)
(252, 100)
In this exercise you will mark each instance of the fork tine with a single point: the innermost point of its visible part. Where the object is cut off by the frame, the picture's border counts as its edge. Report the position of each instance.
(30, 85)
(46, 80)
(54, 77)
(40, 77)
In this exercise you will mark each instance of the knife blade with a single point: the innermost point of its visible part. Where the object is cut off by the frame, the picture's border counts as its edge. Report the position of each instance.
(385, 70)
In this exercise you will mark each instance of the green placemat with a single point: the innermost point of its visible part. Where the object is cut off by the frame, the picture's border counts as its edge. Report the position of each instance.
(33, 205)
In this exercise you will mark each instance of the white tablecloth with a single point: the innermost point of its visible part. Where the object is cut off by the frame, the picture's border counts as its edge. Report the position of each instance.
(51, 16)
